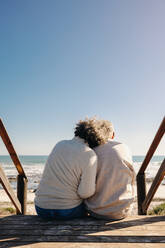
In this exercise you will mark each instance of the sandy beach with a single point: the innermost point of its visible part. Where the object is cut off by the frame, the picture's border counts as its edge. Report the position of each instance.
(5, 201)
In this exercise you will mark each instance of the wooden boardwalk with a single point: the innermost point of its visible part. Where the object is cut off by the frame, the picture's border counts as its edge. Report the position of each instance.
(30, 231)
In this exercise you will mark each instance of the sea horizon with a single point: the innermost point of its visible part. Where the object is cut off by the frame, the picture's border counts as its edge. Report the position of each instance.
(134, 157)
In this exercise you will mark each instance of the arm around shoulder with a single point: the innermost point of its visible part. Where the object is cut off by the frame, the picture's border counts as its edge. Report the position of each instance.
(87, 184)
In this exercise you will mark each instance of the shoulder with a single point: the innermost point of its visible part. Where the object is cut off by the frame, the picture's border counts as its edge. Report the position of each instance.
(75, 147)
(122, 151)
(84, 154)
(59, 145)
(122, 146)
(114, 147)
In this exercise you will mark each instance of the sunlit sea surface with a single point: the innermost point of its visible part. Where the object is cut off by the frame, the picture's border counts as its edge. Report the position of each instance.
(34, 165)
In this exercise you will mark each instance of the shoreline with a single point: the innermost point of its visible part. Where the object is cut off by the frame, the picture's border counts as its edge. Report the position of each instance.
(6, 202)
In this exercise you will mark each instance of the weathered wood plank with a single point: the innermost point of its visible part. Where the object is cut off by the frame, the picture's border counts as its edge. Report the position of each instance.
(124, 225)
(53, 224)
(36, 222)
(79, 245)
(72, 232)
(88, 238)
(6, 185)
(84, 221)
(135, 231)
(128, 227)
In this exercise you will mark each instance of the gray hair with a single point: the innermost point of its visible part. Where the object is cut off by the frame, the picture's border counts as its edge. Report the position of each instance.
(94, 132)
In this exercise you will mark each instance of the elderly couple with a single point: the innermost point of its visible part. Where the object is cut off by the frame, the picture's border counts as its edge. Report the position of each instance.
(89, 175)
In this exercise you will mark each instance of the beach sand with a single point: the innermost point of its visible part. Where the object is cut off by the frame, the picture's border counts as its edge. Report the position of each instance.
(5, 201)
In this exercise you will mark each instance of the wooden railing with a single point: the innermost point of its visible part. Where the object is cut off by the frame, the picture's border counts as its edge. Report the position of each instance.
(143, 199)
(20, 200)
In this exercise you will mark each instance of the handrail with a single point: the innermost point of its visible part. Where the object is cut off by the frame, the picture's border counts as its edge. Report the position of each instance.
(153, 146)
(7, 187)
(157, 181)
(21, 178)
(143, 200)
(11, 150)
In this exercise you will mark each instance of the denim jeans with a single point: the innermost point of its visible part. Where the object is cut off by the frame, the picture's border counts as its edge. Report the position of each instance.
(61, 214)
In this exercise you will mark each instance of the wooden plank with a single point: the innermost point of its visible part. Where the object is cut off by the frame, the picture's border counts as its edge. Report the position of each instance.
(73, 232)
(79, 245)
(6, 185)
(128, 225)
(148, 218)
(137, 225)
(156, 182)
(148, 227)
(11, 150)
(134, 231)
(35, 220)
(88, 238)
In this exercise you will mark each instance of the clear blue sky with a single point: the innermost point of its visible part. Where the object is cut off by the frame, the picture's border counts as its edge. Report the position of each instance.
(63, 60)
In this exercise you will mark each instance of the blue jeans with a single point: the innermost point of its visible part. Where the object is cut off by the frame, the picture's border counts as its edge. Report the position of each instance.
(61, 214)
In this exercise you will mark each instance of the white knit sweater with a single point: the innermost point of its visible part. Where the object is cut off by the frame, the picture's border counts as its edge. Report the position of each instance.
(69, 176)
(115, 181)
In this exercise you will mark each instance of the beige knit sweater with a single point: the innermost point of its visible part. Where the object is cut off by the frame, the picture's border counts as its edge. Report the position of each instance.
(115, 181)
(69, 176)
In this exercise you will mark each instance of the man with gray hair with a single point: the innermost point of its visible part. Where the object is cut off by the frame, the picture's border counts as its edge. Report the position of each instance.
(115, 181)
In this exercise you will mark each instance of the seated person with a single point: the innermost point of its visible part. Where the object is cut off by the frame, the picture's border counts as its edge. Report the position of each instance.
(115, 181)
(70, 172)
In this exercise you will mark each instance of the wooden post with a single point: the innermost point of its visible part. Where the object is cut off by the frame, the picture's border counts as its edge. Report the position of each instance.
(141, 192)
(22, 192)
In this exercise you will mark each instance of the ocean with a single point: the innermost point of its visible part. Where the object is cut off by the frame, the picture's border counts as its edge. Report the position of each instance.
(34, 165)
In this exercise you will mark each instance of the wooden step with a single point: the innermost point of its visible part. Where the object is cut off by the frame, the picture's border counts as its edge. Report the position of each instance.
(31, 231)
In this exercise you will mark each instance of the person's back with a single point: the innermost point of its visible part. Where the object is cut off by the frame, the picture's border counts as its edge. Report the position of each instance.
(114, 185)
(60, 186)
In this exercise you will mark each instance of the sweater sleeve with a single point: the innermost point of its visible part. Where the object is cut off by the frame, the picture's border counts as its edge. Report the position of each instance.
(87, 184)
